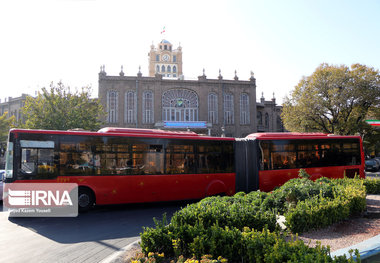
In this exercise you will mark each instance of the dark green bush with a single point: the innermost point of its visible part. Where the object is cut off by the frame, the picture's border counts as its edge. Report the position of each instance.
(372, 186)
(319, 211)
(296, 190)
(219, 225)
(316, 213)
(241, 210)
(235, 245)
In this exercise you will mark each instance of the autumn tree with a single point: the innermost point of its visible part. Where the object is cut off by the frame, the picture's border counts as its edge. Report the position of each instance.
(334, 99)
(59, 108)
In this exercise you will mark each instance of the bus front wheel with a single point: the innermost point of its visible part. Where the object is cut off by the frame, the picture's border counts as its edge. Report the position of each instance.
(86, 199)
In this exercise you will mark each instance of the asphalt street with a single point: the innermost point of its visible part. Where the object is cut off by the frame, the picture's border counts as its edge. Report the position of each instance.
(90, 237)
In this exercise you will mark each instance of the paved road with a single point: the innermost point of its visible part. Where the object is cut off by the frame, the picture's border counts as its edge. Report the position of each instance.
(90, 237)
(373, 174)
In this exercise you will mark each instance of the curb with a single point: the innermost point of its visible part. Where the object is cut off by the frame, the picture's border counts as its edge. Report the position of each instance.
(367, 248)
(118, 257)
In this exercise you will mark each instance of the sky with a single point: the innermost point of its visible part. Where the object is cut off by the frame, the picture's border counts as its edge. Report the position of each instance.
(45, 41)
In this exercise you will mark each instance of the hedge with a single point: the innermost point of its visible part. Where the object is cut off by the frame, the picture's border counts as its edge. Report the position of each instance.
(232, 244)
(243, 227)
(241, 210)
(372, 186)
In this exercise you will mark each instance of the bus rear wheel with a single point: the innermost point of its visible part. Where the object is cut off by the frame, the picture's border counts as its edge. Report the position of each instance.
(86, 199)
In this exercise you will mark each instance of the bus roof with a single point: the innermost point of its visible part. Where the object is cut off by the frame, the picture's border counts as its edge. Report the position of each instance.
(295, 135)
(146, 131)
(127, 132)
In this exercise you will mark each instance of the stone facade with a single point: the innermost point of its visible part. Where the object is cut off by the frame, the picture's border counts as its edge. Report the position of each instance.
(217, 107)
(269, 116)
(13, 106)
(183, 101)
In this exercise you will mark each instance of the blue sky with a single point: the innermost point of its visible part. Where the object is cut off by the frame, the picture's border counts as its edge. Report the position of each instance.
(280, 41)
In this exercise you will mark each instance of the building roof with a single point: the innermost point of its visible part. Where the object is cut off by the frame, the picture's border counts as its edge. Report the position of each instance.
(164, 41)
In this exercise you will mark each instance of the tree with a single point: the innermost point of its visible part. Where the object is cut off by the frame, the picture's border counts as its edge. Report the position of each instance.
(334, 99)
(5, 124)
(61, 109)
(371, 135)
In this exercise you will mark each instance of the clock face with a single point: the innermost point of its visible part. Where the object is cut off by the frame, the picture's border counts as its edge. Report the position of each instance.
(165, 57)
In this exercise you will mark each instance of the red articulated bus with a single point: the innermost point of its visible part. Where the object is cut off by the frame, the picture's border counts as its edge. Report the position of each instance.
(119, 165)
(122, 165)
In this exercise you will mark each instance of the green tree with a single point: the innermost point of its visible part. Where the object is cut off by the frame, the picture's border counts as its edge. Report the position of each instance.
(61, 109)
(334, 99)
(371, 135)
(5, 124)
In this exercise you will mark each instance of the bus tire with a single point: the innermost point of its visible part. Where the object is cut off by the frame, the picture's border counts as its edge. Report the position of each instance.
(86, 199)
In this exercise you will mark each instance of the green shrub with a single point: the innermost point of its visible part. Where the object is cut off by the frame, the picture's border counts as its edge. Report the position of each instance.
(319, 211)
(236, 245)
(316, 213)
(221, 226)
(241, 210)
(296, 190)
(372, 186)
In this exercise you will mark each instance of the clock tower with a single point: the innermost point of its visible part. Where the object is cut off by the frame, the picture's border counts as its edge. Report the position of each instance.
(165, 61)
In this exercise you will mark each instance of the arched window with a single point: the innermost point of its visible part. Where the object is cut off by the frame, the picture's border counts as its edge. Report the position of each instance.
(266, 120)
(169, 69)
(259, 118)
(163, 68)
(112, 106)
(179, 105)
(130, 107)
(157, 68)
(228, 109)
(244, 109)
(148, 107)
(174, 69)
(213, 108)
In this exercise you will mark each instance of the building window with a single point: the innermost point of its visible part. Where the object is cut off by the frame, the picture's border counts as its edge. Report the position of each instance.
(213, 108)
(259, 118)
(180, 105)
(157, 57)
(174, 58)
(228, 109)
(174, 75)
(280, 127)
(157, 68)
(148, 107)
(163, 68)
(112, 106)
(244, 109)
(161, 47)
(130, 107)
(174, 69)
(169, 69)
(165, 47)
(266, 120)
